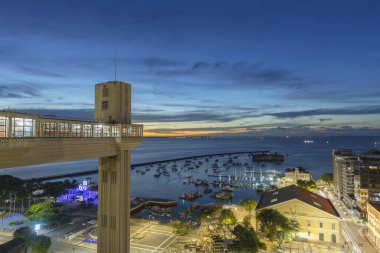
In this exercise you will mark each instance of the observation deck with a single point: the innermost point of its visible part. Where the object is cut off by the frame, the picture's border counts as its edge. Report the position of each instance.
(28, 139)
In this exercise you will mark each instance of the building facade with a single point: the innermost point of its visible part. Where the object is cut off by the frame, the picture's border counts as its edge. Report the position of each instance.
(369, 179)
(373, 210)
(295, 174)
(345, 166)
(316, 215)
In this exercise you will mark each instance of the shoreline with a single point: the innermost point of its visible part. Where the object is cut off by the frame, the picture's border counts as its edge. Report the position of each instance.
(91, 172)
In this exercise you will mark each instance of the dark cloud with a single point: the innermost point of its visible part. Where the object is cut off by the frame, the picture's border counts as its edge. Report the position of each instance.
(18, 90)
(156, 62)
(324, 119)
(192, 116)
(38, 71)
(359, 110)
(223, 73)
(328, 93)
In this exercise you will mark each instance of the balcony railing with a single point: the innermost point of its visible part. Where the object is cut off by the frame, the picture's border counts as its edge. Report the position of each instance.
(16, 125)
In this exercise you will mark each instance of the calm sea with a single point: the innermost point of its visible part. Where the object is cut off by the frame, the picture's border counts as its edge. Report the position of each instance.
(316, 157)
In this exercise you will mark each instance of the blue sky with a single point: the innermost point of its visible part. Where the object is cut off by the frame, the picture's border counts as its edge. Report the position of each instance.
(200, 67)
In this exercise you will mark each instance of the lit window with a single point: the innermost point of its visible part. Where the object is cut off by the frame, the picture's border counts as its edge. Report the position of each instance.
(106, 131)
(48, 129)
(115, 131)
(317, 204)
(22, 127)
(3, 127)
(98, 129)
(64, 129)
(87, 130)
(273, 200)
(75, 130)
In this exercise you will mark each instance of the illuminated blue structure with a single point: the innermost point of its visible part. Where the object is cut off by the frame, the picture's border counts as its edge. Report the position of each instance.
(85, 192)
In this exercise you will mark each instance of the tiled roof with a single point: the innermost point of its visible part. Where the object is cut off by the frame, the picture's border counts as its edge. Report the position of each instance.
(270, 198)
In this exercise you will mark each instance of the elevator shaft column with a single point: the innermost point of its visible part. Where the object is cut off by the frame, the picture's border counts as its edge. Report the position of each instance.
(113, 105)
(114, 203)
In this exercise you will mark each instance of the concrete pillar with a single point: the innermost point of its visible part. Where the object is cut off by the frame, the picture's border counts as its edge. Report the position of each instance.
(114, 191)
(9, 129)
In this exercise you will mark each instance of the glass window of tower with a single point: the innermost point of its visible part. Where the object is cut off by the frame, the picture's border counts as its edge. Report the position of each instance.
(115, 131)
(105, 105)
(49, 129)
(87, 129)
(3, 127)
(98, 130)
(22, 127)
(105, 92)
(64, 129)
(106, 131)
(75, 130)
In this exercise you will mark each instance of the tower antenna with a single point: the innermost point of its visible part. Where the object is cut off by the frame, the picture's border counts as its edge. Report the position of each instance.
(115, 64)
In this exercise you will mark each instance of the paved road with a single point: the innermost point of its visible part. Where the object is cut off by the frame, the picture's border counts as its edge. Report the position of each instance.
(351, 229)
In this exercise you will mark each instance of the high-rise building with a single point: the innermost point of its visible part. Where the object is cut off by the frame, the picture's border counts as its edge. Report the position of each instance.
(345, 167)
(374, 223)
(369, 179)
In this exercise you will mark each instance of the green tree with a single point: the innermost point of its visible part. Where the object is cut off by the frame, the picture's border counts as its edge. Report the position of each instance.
(308, 185)
(249, 205)
(180, 228)
(24, 233)
(247, 221)
(276, 226)
(55, 189)
(40, 244)
(245, 240)
(44, 212)
(227, 217)
(327, 178)
(10, 188)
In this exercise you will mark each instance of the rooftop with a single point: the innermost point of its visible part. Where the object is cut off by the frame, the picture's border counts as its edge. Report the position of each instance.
(300, 169)
(375, 205)
(270, 198)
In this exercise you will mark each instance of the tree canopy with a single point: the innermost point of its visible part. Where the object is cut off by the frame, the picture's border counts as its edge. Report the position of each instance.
(180, 228)
(227, 217)
(249, 205)
(40, 244)
(308, 185)
(44, 212)
(54, 189)
(327, 178)
(245, 240)
(276, 226)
